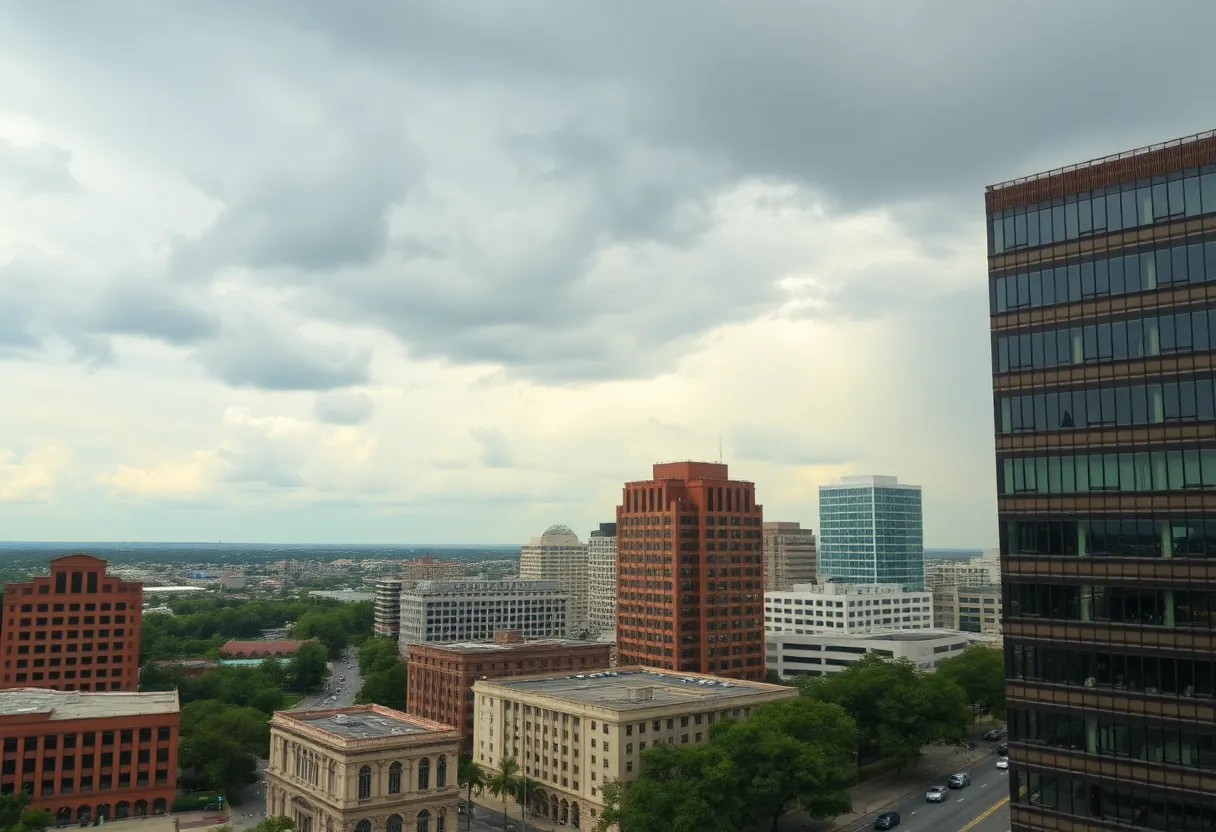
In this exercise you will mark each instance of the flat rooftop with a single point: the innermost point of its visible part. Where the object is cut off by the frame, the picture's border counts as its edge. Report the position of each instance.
(877, 635)
(616, 689)
(75, 704)
(492, 647)
(362, 722)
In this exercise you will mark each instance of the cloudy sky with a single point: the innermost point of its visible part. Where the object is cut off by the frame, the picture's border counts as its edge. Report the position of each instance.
(453, 271)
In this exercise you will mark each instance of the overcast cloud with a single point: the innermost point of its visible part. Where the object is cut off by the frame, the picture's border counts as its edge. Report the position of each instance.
(454, 271)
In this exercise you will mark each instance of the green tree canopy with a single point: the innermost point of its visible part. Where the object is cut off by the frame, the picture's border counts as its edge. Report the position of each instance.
(377, 654)
(797, 753)
(384, 674)
(898, 709)
(16, 816)
(678, 788)
(980, 672)
(308, 667)
(220, 744)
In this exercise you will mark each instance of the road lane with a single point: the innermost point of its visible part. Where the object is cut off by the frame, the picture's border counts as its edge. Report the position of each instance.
(998, 821)
(989, 785)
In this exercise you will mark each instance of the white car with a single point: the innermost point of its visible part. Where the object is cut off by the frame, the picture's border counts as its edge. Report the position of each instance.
(1002, 762)
(936, 794)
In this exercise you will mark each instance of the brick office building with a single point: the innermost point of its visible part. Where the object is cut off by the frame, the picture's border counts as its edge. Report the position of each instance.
(76, 629)
(84, 756)
(441, 676)
(690, 579)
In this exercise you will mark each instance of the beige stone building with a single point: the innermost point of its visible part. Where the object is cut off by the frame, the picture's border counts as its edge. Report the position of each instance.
(789, 555)
(557, 555)
(574, 733)
(362, 769)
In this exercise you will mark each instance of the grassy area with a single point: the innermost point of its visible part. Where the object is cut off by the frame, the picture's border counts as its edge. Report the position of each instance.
(876, 769)
(291, 700)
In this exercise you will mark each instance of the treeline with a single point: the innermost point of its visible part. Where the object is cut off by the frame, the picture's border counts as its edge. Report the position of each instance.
(803, 753)
(199, 626)
(383, 674)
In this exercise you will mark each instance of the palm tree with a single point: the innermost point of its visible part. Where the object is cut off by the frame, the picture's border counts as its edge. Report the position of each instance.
(472, 777)
(503, 782)
(527, 786)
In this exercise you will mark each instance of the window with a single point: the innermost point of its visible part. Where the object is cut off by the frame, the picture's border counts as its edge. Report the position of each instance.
(365, 789)
(424, 774)
(441, 772)
(424, 821)
(394, 778)
(394, 824)
(364, 825)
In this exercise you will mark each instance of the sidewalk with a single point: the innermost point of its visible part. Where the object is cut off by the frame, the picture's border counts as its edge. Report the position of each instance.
(490, 803)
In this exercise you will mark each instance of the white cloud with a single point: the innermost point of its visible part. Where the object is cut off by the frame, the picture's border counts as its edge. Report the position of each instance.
(191, 476)
(32, 477)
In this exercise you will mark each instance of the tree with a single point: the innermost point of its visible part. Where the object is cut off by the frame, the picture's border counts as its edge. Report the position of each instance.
(308, 667)
(898, 709)
(503, 782)
(797, 753)
(16, 816)
(980, 672)
(221, 744)
(471, 777)
(686, 788)
(377, 654)
(279, 823)
(384, 687)
(773, 677)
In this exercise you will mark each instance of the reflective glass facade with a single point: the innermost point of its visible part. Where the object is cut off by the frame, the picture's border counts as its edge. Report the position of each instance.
(1102, 281)
(870, 531)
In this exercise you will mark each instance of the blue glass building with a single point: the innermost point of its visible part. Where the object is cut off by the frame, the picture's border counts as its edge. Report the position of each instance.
(871, 532)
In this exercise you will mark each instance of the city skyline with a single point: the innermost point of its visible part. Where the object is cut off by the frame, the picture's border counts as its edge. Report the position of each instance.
(253, 303)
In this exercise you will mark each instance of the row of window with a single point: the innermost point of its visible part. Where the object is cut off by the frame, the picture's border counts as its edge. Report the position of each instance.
(1188, 400)
(1154, 607)
(1146, 269)
(1189, 676)
(88, 607)
(1130, 537)
(1142, 337)
(1186, 470)
(1130, 737)
(1130, 205)
(87, 761)
(51, 742)
(1119, 803)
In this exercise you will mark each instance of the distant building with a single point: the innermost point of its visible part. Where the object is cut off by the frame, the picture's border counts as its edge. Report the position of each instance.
(947, 578)
(690, 517)
(429, 569)
(77, 754)
(847, 608)
(364, 768)
(871, 532)
(346, 596)
(601, 580)
(558, 555)
(969, 609)
(89, 615)
(188, 667)
(819, 654)
(388, 607)
(238, 649)
(624, 710)
(448, 611)
(789, 555)
(232, 580)
(441, 676)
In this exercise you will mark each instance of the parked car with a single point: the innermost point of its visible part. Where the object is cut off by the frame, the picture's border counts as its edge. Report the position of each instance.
(936, 794)
(995, 734)
(960, 780)
(887, 820)
(1002, 750)
(1002, 762)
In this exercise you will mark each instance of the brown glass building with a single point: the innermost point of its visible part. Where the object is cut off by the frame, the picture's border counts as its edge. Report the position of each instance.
(690, 572)
(77, 629)
(1102, 281)
(440, 677)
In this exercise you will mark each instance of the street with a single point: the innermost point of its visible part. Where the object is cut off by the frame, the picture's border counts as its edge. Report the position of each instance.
(249, 805)
(487, 820)
(989, 786)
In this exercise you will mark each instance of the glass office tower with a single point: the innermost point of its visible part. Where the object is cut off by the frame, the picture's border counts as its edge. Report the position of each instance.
(870, 532)
(1102, 281)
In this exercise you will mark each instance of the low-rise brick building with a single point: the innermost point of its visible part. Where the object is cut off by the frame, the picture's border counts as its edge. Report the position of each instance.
(84, 756)
(441, 676)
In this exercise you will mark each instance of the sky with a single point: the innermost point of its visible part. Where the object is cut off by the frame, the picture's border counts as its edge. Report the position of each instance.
(454, 272)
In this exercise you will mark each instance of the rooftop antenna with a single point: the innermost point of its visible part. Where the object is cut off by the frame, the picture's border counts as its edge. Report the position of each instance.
(719, 447)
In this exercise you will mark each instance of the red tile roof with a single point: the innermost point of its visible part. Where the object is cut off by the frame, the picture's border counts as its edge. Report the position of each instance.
(264, 648)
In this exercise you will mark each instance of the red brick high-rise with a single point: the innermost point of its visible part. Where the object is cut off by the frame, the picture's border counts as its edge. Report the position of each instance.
(690, 579)
(77, 629)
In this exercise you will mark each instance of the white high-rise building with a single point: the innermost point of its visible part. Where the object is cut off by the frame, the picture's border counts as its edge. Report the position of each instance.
(601, 590)
(847, 608)
(474, 610)
(557, 555)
